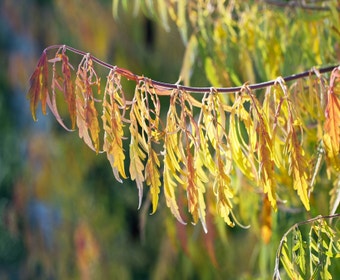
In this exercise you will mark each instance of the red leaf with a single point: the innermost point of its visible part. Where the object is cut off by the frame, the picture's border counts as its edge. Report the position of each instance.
(68, 89)
(38, 90)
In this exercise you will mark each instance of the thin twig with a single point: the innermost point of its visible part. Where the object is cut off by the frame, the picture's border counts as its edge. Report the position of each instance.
(298, 4)
(169, 86)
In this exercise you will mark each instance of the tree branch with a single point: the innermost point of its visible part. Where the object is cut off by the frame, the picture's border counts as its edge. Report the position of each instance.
(298, 4)
(169, 86)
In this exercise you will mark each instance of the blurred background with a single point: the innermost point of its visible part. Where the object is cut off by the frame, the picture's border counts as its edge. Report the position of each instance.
(63, 215)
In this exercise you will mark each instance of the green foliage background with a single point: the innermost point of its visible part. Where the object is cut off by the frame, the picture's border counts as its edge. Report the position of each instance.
(63, 214)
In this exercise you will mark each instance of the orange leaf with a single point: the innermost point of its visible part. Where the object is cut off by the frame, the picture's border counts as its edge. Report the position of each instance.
(331, 138)
(266, 221)
(265, 153)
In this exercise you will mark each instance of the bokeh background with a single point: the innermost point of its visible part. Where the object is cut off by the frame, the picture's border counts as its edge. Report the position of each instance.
(62, 214)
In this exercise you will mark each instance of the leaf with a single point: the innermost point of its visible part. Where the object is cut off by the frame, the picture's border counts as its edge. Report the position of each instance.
(163, 12)
(181, 20)
(266, 221)
(68, 89)
(87, 115)
(222, 184)
(220, 167)
(297, 165)
(169, 190)
(152, 177)
(113, 127)
(136, 158)
(195, 187)
(189, 59)
(334, 196)
(264, 152)
(288, 264)
(332, 123)
(173, 158)
(55, 85)
(39, 86)
(210, 71)
(241, 152)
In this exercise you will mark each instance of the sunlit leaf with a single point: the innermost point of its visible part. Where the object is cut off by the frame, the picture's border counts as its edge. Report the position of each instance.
(137, 157)
(331, 137)
(152, 177)
(87, 115)
(113, 128)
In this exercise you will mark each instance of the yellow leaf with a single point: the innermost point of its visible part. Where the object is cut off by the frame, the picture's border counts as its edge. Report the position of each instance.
(188, 60)
(298, 166)
(113, 130)
(242, 161)
(195, 187)
(221, 185)
(169, 190)
(152, 177)
(264, 153)
(136, 164)
(87, 116)
(210, 71)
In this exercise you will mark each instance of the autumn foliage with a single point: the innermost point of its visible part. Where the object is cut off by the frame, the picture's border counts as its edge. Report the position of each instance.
(207, 139)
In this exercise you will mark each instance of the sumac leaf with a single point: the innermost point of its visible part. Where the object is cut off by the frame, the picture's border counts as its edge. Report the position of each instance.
(39, 86)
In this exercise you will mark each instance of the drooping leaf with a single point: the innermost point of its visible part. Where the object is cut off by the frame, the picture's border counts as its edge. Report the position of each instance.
(173, 159)
(214, 124)
(39, 86)
(265, 153)
(222, 184)
(137, 156)
(266, 221)
(56, 86)
(331, 137)
(298, 166)
(68, 89)
(152, 177)
(113, 126)
(334, 196)
(241, 151)
(87, 115)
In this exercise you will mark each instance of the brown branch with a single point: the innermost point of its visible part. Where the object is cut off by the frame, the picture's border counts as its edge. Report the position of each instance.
(163, 86)
(298, 4)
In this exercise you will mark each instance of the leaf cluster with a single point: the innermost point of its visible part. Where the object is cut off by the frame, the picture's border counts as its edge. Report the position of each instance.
(200, 146)
(309, 253)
